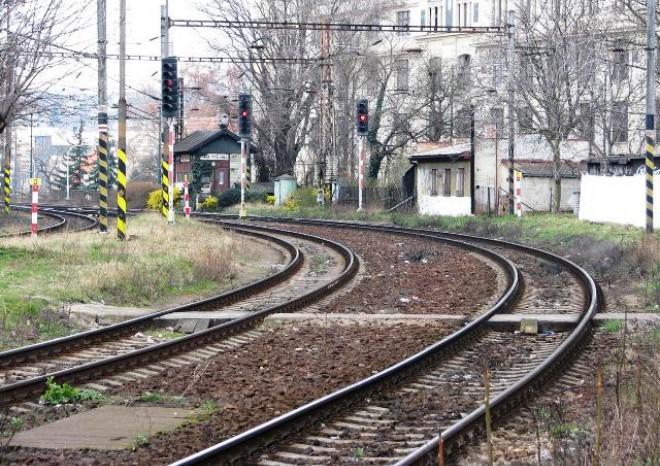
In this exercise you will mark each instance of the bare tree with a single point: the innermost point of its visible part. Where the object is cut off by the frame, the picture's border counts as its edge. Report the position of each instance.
(30, 30)
(558, 59)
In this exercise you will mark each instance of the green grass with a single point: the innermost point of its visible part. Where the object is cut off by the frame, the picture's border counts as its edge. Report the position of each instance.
(612, 326)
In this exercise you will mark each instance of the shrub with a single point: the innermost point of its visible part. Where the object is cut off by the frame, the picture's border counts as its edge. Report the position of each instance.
(270, 200)
(257, 196)
(138, 192)
(155, 200)
(301, 197)
(210, 203)
(229, 198)
(57, 394)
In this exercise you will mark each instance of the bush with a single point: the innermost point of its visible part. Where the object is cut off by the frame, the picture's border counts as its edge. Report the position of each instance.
(57, 394)
(138, 192)
(270, 200)
(155, 200)
(301, 197)
(210, 203)
(229, 198)
(257, 196)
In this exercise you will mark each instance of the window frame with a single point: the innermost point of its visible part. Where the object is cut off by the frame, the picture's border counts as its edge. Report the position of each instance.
(403, 21)
(434, 182)
(446, 182)
(460, 182)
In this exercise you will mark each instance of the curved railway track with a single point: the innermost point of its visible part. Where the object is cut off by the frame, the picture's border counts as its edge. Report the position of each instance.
(100, 354)
(377, 421)
(63, 220)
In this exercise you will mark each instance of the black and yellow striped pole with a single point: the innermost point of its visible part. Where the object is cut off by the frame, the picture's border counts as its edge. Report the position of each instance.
(650, 111)
(165, 181)
(121, 136)
(103, 170)
(7, 187)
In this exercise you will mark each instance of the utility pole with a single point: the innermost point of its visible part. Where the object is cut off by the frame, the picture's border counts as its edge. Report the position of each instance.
(121, 150)
(510, 93)
(325, 114)
(164, 53)
(103, 119)
(650, 110)
(8, 129)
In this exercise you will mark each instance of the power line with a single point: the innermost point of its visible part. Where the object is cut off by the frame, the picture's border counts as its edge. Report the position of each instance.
(355, 27)
(94, 56)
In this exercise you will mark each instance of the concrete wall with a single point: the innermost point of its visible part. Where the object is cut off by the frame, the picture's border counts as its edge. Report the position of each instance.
(439, 205)
(617, 199)
(537, 193)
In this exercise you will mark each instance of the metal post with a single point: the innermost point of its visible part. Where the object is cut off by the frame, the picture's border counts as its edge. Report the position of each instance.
(66, 165)
(170, 171)
(8, 129)
(510, 59)
(473, 193)
(186, 198)
(103, 120)
(35, 207)
(31, 150)
(164, 52)
(243, 211)
(650, 110)
(361, 173)
(121, 149)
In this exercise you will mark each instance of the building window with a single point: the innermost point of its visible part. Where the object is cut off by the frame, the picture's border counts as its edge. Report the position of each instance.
(181, 176)
(475, 17)
(620, 122)
(464, 73)
(221, 177)
(422, 18)
(435, 73)
(460, 182)
(525, 120)
(446, 182)
(403, 20)
(434, 182)
(184, 158)
(619, 62)
(402, 75)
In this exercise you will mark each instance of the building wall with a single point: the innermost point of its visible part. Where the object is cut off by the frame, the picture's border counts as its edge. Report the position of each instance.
(432, 199)
(537, 193)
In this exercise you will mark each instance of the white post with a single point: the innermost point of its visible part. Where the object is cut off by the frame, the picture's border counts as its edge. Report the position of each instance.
(35, 207)
(360, 173)
(170, 171)
(66, 164)
(517, 185)
(186, 197)
(243, 213)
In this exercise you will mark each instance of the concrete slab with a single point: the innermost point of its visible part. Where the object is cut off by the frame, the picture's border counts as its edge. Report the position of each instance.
(103, 428)
(352, 319)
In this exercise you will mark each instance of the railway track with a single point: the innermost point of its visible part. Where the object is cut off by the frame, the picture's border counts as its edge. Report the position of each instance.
(378, 421)
(112, 351)
(60, 220)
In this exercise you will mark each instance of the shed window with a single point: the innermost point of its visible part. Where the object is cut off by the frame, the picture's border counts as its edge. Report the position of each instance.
(184, 158)
(446, 182)
(434, 182)
(460, 182)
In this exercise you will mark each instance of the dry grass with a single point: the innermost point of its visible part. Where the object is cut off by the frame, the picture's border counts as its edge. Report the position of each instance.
(158, 261)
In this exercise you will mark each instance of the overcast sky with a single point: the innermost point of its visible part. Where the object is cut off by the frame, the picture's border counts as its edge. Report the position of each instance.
(142, 38)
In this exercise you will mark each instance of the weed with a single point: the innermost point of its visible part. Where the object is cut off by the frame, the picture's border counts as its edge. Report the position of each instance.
(207, 409)
(320, 264)
(57, 394)
(612, 326)
(358, 452)
(139, 440)
(152, 397)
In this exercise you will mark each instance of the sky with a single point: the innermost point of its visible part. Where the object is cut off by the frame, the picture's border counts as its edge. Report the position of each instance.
(142, 38)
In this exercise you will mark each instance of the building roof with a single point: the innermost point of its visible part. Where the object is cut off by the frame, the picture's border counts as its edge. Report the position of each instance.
(448, 153)
(198, 139)
(546, 169)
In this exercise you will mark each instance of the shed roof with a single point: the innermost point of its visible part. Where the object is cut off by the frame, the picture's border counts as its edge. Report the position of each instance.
(198, 139)
(545, 169)
(447, 153)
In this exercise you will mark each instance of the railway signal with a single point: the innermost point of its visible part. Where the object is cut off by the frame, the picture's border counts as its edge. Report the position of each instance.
(170, 87)
(362, 117)
(244, 115)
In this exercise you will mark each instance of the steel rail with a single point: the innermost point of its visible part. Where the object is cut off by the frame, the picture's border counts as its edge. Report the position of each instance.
(57, 226)
(84, 339)
(232, 450)
(20, 391)
(474, 423)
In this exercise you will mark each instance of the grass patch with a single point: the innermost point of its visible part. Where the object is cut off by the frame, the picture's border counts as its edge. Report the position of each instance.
(160, 261)
(57, 394)
(612, 326)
